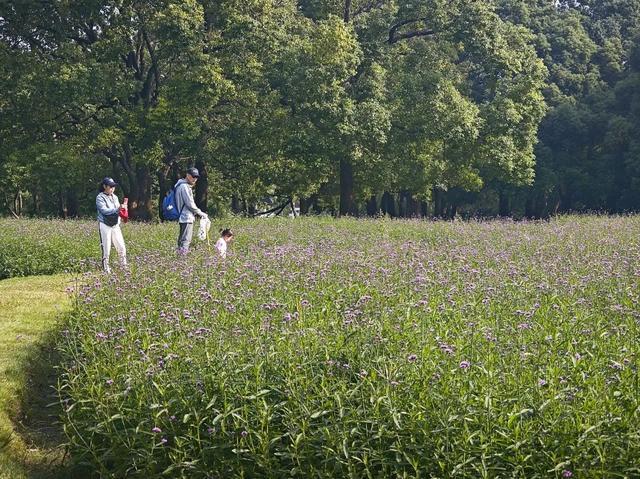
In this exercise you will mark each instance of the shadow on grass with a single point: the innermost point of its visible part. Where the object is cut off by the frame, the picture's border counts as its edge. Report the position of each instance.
(39, 424)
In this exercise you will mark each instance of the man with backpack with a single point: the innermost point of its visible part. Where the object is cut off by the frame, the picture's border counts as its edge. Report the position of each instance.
(186, 206)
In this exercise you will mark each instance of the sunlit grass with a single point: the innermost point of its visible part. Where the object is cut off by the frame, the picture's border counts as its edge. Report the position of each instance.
(29, 309)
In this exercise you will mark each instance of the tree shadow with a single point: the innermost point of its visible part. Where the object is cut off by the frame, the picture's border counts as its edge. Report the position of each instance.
(39, 419)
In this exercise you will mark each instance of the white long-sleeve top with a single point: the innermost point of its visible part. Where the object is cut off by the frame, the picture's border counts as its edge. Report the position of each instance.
(221, 246)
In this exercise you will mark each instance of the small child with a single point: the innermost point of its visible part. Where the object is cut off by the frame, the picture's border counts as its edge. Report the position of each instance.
(221, 245)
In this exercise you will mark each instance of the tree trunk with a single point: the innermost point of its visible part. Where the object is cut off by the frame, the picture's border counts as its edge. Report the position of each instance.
(504, 209)
(73, 205)
(202, 186)
(372, 206)
(438, 203)
(414, 207)
(347, 201)
(305, 203)
(529, 207)
(565, 200)
(453, 210)
(388, 204)
(424, 209)
(140, 195)
(313, 204)
(235, 204)
(408, 205)
(36, 203)
(402, 204)
(62, 205)
(544, 207)
(138, 182)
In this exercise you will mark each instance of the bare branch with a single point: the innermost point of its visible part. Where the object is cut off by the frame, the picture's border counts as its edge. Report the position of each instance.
(395, 37)
(152, 74)
(347, 11)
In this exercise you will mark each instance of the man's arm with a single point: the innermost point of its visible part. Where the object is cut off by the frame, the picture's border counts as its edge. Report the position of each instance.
(188, 201)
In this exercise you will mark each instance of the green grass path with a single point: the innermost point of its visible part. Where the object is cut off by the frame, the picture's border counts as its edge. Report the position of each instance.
(29, 308)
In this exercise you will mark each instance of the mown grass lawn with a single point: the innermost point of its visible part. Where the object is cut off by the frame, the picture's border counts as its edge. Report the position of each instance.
(29, 431)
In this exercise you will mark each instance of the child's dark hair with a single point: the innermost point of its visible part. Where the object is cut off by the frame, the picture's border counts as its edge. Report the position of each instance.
(226, 232)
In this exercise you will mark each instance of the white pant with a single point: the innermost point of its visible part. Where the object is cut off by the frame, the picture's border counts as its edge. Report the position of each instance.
(109, 235)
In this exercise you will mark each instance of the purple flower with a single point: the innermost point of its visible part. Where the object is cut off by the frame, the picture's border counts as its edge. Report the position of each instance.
(567, 473)
(412, 358)
(616, 365)
(109, 382)
(542, 382)
(156, 429)
(446, 348)
(465, 364)
(244, 433)
(163, 440)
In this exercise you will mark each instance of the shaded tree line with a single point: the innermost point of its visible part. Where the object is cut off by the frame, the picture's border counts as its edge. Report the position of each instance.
(352, 107)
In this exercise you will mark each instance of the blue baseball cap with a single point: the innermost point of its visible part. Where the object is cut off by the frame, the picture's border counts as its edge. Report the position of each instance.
(193, 172)
(108, 181)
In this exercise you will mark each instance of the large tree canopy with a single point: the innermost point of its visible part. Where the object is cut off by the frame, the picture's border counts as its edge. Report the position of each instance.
(348, 105)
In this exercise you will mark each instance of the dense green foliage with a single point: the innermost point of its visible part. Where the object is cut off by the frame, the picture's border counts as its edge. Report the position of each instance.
(365, 349)
(314, 100)
(351, 106)
(587, 157)
(36, 247)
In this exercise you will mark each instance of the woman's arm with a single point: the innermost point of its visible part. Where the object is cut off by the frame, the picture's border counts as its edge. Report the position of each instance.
(103, 207)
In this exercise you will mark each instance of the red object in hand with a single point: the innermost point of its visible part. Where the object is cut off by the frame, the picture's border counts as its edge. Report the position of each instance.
(124, 211)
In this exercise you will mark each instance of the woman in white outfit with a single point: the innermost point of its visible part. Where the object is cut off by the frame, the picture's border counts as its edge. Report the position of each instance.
(108, 207)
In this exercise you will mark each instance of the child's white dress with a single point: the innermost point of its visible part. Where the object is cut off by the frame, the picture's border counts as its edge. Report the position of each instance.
(221, 246)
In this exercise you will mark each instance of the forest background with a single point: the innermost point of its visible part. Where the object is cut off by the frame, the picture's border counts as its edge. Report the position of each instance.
(523, 108)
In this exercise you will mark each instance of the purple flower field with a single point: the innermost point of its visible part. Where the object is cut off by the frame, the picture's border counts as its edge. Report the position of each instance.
(41, 246)
(363, 348)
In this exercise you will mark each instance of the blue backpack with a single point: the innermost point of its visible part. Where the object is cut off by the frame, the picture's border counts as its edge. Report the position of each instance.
(170, 210)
